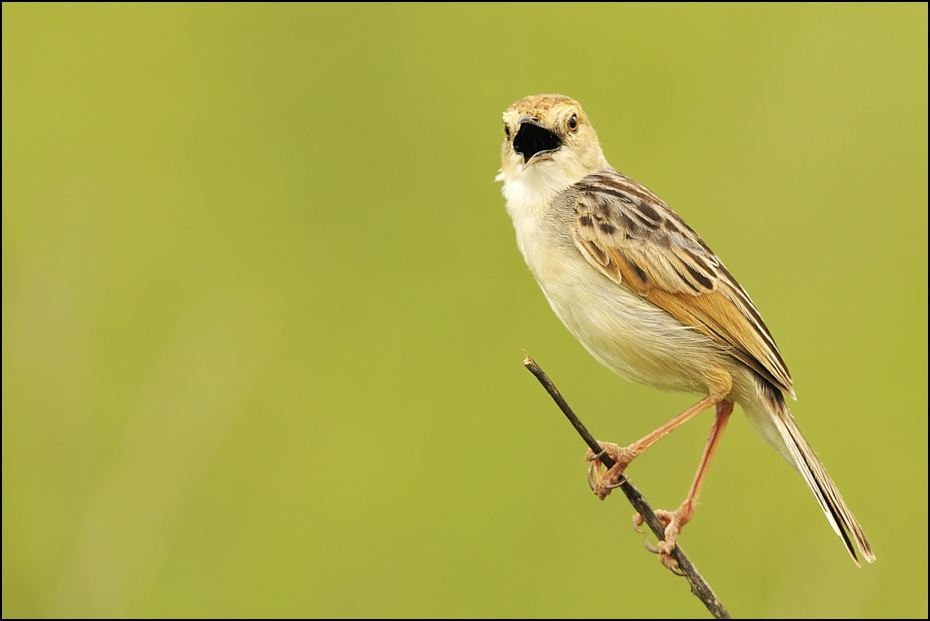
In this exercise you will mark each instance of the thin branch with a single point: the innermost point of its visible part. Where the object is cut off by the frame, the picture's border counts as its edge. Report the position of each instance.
(699, 586)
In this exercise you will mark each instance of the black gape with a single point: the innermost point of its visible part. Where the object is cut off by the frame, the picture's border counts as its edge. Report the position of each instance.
(533, 139)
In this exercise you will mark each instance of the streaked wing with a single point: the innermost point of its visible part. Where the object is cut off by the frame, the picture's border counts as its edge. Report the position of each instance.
(636, 240)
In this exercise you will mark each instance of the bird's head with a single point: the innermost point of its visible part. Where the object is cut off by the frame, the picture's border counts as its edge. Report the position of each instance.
(548, 141)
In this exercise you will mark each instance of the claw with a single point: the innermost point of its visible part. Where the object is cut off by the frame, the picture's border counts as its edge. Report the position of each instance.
(603, 483)
(619, 483)
(666, 546)
(637, 522)
(648, 545)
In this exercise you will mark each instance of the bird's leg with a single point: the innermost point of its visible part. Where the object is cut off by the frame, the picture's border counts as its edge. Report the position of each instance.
(676, 520)
(602, 483)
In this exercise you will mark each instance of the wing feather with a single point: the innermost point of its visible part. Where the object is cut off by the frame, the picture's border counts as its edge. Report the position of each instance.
(637, 241)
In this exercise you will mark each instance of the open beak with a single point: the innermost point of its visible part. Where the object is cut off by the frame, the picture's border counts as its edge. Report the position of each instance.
(533, 139)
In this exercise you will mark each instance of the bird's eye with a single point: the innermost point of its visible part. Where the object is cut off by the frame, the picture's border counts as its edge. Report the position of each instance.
(507, 130)
(573, 123)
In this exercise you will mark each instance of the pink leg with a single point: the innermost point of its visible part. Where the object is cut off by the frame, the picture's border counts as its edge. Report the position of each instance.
(622, 456)
(676, 520)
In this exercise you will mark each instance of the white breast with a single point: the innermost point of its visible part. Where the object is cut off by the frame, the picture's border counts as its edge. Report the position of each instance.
(627, 334)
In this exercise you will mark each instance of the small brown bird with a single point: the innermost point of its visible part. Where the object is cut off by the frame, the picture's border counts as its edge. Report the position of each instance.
(648, 299)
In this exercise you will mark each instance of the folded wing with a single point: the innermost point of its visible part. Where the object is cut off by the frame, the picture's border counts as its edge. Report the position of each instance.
(636, 240)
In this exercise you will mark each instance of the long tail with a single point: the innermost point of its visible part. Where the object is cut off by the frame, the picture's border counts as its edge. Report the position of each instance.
(788, 438)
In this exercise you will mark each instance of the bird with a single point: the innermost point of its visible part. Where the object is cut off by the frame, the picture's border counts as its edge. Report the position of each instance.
(648, 299)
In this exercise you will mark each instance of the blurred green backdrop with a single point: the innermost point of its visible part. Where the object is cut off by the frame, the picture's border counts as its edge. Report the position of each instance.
(263, 311)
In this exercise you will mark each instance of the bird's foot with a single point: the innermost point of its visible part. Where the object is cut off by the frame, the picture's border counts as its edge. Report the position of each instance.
(674, 521)
(604, 482)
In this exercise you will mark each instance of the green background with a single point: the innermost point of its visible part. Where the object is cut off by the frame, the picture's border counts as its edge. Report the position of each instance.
(263, 312)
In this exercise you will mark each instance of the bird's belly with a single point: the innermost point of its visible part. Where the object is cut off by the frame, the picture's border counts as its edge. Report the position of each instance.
(627, 334)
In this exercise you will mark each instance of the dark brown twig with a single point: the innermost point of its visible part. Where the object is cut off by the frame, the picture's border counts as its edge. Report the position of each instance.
(699, 586)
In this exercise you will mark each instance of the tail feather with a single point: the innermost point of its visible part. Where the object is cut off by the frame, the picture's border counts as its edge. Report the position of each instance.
(800, 453)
